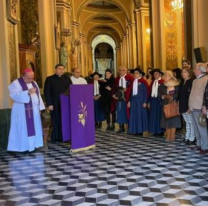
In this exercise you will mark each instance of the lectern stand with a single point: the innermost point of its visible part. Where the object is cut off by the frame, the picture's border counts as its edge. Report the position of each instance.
(78, 123)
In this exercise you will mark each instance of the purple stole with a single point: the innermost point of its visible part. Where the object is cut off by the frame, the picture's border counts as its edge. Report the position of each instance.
(29, 108)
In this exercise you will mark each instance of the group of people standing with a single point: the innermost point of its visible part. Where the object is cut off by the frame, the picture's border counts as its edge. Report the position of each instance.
(139, 101)
(131, 99)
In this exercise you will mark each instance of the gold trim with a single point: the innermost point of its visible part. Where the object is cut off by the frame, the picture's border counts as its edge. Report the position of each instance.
(12, 11)
(82, 149)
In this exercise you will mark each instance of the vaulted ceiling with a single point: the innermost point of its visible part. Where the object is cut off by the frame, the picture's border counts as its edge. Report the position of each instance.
(110, 17)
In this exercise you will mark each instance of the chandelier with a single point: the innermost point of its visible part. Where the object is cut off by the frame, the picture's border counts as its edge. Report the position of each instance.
(177, 4)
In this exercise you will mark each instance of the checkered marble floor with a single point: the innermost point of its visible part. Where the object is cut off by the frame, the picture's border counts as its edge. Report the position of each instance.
(122, 170)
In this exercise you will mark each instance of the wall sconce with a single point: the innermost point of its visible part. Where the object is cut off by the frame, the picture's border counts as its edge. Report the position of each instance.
(77, 42)
(177, 4)
(66, 32)
(148, 30)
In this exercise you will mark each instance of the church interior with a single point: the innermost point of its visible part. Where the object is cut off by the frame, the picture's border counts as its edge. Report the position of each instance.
(95, 35)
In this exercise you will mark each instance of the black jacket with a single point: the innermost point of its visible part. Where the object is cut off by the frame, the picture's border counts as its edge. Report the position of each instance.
(184, 93)
(106, 95)
(205, 103)
(162, 90)
(54, 87)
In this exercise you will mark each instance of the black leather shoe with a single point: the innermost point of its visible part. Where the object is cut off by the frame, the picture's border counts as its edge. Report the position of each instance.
(196, 148)
(112, 127)
(121, 130)
(99, 124)
(192, 142)
(183, 141)
(108, 128)
(203, 152)
(161, 134)
(187, 142)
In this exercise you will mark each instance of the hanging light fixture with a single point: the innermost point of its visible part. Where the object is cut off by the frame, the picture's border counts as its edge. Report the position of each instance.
(177, 4)
(148, 30)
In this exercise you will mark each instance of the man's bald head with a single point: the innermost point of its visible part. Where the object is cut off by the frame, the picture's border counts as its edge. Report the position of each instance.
(28, 76)
(122, 70)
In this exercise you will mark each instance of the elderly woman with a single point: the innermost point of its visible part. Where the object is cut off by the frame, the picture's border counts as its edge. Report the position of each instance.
(169, 91)
(138, 122)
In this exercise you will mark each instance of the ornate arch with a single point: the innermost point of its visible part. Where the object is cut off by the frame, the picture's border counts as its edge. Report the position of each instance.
(110, 26)
(116, 2)
(106, 15)
(103, 39)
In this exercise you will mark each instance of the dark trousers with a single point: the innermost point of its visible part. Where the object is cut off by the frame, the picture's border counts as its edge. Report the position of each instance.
(108, 113)
(207, 126)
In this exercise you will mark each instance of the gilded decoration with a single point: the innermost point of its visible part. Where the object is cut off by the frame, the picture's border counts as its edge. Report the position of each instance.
(30, 32)
(183, 33)
(12, 51)
(170, 36)
(147, 41)
(12, 11)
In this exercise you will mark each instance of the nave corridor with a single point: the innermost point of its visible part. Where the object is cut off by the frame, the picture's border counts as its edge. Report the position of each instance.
(122, 170)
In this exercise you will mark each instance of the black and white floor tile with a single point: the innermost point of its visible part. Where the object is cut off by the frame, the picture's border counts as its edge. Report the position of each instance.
(121, 170)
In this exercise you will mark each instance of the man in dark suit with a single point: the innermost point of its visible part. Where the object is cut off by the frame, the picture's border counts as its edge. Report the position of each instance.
(55, 85)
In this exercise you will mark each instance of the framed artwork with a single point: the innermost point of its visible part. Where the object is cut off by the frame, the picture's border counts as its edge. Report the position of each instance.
(12, 11)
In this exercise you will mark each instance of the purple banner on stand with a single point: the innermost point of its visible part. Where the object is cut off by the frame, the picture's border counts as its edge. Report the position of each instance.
(82, 116)
(65, 117)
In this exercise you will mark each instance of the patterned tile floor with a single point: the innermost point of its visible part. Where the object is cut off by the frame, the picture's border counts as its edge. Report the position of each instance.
(122, 170)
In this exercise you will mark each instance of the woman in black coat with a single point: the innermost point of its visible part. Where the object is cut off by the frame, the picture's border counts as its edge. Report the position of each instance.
(184, 92)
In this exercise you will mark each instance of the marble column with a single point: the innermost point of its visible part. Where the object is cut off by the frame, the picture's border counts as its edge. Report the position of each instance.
(158, 47)
(118, 59)
(9, 61)
(141, 13)
(64, 10)
(132, 45)
(47, 36)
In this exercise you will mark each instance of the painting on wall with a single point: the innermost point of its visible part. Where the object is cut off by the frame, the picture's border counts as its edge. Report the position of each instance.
(12, 11)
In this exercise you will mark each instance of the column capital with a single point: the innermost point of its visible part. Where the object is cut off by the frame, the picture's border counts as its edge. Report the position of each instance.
(64, 4)
(131, 25)
(81, 35)
(74, 24)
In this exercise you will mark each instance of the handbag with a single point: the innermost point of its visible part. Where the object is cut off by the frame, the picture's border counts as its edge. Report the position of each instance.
(171, 109)
(120, 94)
(202, 120)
